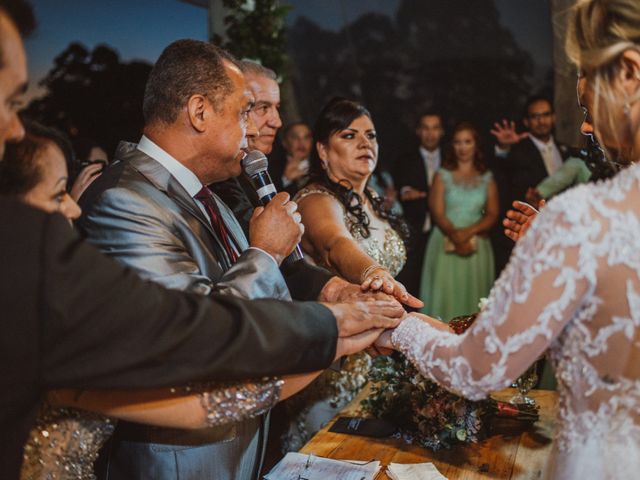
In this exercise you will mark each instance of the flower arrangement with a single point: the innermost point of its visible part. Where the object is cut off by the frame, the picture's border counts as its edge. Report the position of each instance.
(426, 413)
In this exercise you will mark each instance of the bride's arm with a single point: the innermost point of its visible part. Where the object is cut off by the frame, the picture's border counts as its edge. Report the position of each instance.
(535, 297)
(196, 406)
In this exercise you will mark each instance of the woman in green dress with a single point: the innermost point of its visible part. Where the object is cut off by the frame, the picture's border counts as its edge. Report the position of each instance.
(458, 266)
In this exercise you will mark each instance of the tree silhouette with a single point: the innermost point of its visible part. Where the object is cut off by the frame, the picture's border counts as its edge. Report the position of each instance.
(454, 56)
(93, 94)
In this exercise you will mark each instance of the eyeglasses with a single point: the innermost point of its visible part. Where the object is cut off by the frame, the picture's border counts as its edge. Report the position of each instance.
(538, 116)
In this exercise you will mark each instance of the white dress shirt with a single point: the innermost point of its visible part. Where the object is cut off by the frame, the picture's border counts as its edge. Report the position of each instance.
(432, 161)
(550, 154)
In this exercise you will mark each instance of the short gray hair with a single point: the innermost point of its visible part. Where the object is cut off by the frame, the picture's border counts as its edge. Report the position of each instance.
(250, 67)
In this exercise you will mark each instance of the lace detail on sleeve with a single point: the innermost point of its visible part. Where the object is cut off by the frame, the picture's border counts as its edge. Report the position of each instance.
(516, 326)
(225, 403)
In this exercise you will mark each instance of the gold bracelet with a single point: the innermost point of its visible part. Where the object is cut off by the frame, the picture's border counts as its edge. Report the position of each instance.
(369, 269)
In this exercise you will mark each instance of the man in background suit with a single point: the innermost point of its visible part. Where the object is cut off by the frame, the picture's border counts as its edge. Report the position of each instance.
(153, 211)
(523, 161)
(414, 175)
(72, 318)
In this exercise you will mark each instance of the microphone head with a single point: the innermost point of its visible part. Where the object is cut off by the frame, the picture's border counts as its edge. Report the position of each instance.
(254, 162)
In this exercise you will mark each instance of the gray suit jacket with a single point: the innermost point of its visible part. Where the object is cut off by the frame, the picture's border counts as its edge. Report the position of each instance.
(138, 213)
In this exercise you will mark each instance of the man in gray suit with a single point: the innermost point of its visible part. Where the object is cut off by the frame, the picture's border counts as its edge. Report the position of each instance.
(152, 211)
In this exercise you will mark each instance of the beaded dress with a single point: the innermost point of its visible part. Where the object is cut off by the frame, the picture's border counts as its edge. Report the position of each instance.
(312, 408)
(572, 287)
(64, 443)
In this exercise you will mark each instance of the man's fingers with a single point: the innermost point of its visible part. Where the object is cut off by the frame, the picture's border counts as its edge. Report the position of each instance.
(291, 207)
(281, 197)
(257, 212)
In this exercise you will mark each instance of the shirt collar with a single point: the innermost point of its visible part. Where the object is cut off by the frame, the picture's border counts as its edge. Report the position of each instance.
(182, 174)
(426, 154)
(540, 145)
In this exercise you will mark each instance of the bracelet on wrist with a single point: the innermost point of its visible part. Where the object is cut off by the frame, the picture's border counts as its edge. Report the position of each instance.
(369, 270)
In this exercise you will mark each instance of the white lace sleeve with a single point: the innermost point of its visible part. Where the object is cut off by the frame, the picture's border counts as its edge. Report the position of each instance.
(539, 292)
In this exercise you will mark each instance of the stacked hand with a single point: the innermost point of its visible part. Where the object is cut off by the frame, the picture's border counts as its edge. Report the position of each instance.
(360, 323)
(380, 280)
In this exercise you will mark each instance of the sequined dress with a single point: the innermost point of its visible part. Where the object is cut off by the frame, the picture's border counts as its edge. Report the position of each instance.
(572, 287)
(64, 443)
(311, 409)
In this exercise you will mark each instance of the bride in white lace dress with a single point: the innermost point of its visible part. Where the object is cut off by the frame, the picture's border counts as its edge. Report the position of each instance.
(573, 283)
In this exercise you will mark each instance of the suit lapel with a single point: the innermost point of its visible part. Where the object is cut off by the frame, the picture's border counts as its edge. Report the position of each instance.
(540, 167)
(424, 172)
(162, 179)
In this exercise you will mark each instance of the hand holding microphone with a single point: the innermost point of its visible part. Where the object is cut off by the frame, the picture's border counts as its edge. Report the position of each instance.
(276, 227)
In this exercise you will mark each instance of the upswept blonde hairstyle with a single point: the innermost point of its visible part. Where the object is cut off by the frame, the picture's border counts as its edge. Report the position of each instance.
(599, 32)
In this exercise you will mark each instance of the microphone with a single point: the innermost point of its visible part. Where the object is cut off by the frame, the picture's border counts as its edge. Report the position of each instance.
(254, 166)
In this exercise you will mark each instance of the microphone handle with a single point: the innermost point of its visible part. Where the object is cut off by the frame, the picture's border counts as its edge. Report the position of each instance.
(266, 191)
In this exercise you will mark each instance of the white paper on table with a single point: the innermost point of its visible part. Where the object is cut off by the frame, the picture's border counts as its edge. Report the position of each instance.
(414, 471)
(299, 465)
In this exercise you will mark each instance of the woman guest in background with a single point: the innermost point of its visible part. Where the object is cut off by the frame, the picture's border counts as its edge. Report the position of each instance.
(458, 267)
(297, 142)
(348, 231)
(36, 171)
(65, 442)
(572, 285)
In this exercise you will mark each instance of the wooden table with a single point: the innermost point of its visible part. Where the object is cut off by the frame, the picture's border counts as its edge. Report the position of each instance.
(510, 452)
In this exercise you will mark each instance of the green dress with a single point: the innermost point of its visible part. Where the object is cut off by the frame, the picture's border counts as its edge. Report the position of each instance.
(453, 285)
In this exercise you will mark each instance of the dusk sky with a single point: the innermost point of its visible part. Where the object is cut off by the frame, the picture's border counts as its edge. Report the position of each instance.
(140, 29)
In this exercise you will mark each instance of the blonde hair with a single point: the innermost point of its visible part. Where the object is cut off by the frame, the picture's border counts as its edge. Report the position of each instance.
(600, 31)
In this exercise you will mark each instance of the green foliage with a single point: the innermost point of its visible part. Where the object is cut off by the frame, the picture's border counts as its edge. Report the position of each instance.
(427, 414)
(255, 30)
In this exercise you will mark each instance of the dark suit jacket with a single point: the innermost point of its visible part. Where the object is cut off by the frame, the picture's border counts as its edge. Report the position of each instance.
(305, 281)
(73, 318)
(524, 168)
(410, 171)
